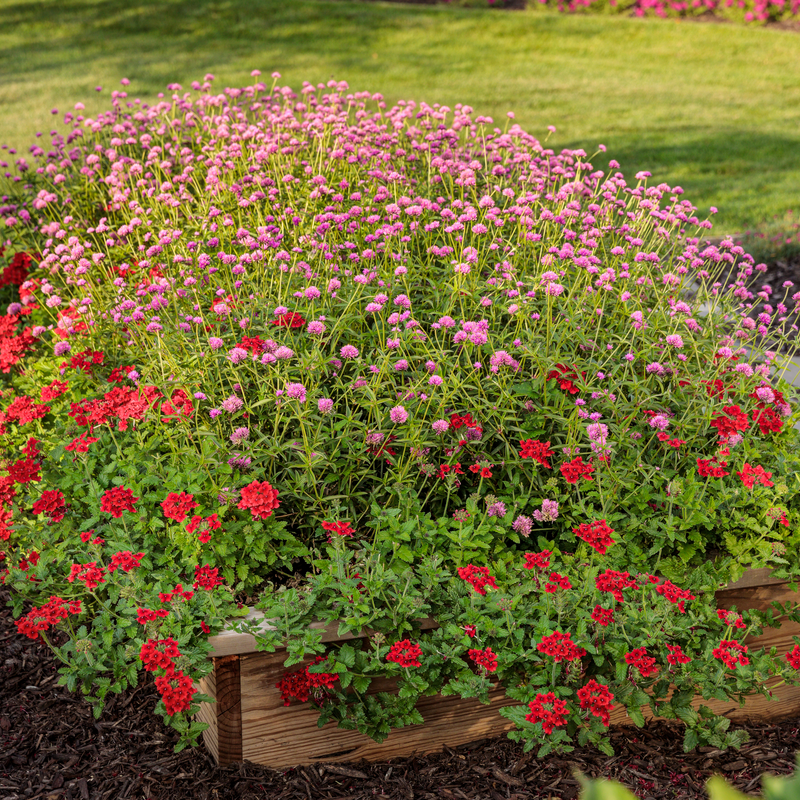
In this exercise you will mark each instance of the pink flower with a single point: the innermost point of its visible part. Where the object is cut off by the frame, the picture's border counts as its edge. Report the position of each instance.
(398, 415)
(348, 351)
(325, 405)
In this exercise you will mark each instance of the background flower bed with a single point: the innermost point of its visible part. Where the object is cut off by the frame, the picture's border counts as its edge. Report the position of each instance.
(395, 363)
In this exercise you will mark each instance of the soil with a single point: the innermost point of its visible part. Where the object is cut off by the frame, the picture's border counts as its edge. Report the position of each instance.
(51, 748)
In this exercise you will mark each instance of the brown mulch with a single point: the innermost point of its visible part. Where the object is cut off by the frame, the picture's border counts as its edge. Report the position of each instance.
(51, 748)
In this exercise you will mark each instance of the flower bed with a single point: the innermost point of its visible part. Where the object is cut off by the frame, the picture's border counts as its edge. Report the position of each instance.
(381, 365)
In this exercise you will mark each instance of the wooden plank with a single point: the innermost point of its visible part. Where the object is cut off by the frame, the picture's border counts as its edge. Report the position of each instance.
(279, 737)
(208, 712)
(755, 577)
(229, 710)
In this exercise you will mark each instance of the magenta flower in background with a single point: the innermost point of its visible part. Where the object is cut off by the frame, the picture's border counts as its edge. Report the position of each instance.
(325, 405)
(674, 340)
(348, 351)
(548, 512)
(398, 415)
(232, 404)
(296, 391)
(440, 426)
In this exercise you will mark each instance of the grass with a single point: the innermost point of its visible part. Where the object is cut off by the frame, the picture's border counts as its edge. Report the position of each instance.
(712, 108)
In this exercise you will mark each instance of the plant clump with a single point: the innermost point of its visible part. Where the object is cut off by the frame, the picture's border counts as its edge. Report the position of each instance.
(402, 368)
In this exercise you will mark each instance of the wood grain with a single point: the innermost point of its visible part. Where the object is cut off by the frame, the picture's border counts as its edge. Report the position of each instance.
(229, 709)
(208, 712)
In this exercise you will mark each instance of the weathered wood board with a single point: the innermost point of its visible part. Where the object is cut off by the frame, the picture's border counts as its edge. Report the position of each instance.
(249, 721)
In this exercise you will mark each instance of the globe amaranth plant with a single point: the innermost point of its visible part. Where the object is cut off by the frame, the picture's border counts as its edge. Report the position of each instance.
(267, 338)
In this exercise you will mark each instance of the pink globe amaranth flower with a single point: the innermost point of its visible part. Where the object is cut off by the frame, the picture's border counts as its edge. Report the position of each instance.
(674, 340)
(62, 348)
(398, 415)
(435, 380)
(215, 343)
(325, 405)
(237, 355)
(440, 426)
(296, 391)
(283, 352)
(232, 404)
(316, 328)
(239, 435)
(348, 351)
(659, 421)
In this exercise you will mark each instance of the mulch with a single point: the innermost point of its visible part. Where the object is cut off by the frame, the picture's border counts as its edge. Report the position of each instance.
(52, 748)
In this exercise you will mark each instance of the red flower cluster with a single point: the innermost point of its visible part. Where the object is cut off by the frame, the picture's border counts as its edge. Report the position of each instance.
(574, 470)
(124, 560)
(253, 344)
(561, 647)
(205, 525)
(175, 687)
(711, 468)
(86, 360)
(290, 319)
(52, 612)
(460, 421)
(81, 444)
(716, 389)
(477, 577)
(556, 582)
(603, 616)
(16, 271)
(13, 347)
(301, 684)
(750, 474)
(596, 534)
(340, 528)
(90, 574)
(178, 591)
(537, 450)
(484, 469)
(178, 505)
(145, 615)
(444, 469)
(484, 658)
(793, 656)
(730, 422)
(731, 653)
(206, 577)
(538, 560)
(405, 653)
(549, 717)
(24, 410)
(52, 504)
(614, 582)
(26, 471)
(31, 448)
(665, 437)
(119, 374)
(676, 655)
(768, 421)
(117, 500)
(565, 378)
(639, 659)
(260, 498)
(675, 595)
(596, 698)
(731, 618)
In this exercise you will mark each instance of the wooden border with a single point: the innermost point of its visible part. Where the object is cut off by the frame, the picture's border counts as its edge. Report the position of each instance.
(249, 721)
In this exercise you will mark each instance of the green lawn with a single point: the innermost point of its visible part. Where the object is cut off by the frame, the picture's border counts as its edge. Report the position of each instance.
(713, 108)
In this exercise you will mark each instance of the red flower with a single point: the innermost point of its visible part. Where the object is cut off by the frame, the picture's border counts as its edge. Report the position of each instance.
(119, 374)
(470, 630)
(731, 653)
(639, 659)
(675, 594)
(614, 582)
(124, 560)
(145, 615)
(564, 377)
(603, 616)
(31, 448)
(176, 691)
(676, 655)
(24, 410)
(204, 627)
(252, 344)
(117, 500)
(537, 450)
(90, 574)
(485, 471)
(405, 653)
(24, 471)
(768, 421)
(550, 718)
(477, 577)
(52, 504)
(178, 505)
(178, 591)
(793, 657)
(289, 320)
(596, 534)
(260, 498)
(159, 654)
(538, 560)
(298, 685)
(731, 618)
(81, 444)
(596, 698)
(206, 577)
(556, 582)
(750, 474)
(733, 420)
(459, 421)
(484, 658)
(51, 613)
(574, 470)
(206, 525)
(86, 360)
(341, 528)
(705, 468)
(561, 647)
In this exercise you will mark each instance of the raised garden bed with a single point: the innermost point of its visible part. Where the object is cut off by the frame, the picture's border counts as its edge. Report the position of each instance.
(249, 721)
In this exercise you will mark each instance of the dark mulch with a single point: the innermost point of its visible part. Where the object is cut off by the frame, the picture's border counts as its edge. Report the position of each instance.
(50, 747)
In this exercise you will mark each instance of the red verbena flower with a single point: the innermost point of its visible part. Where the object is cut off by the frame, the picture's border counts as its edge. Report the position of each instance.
(290, 319)
(24, 410)
(159, 654)
(731, 618)
(597, 699)
(768, 421)
(145, 615)
(596, 534)
(52, 504)
(675, 595)
(178, 505)
(51, 613)
(538, 560)
(340, 528)
(206, 577)
(89, 574)
(26, 471)
(750, 474)
(477, 577)
(565, 378)
(484, 658)
(260, 498)
(676, 655)
(117, 500)
(732, 421)
(81, 444)
(711, 468)
(614, 582)
(124, 560)
(639, 659)
(549, 717)
(537, 450)
(793, 657)
(178, 591)
(405, 653)
(205, 525)
(602, 616)
(731, 653)
(176, 691)
(561, 647)
(556, 582)
(574, 470)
